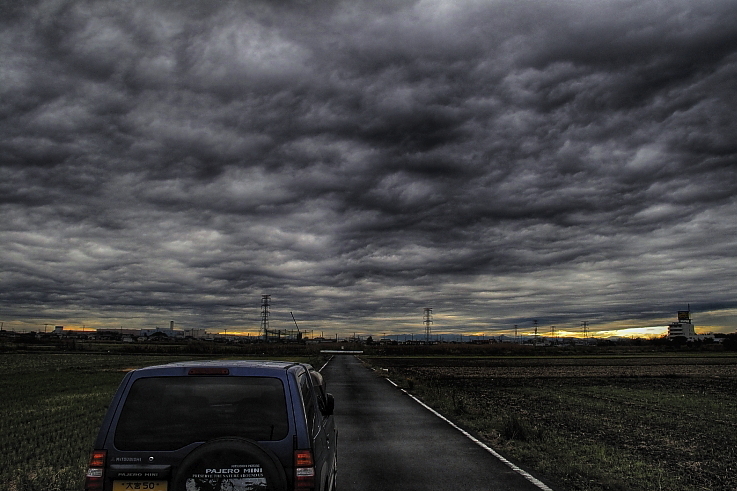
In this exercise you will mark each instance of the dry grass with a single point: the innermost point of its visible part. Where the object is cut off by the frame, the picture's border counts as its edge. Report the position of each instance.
(52, 407)
(618, 423)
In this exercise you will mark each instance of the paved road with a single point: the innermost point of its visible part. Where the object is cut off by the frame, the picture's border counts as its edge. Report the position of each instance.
(387, 441)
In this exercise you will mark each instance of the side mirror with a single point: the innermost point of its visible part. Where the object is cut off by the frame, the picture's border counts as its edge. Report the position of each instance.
(329, 405)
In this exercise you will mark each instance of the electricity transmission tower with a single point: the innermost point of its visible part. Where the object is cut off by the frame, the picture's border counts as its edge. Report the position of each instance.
(427, 320)
(265, 303)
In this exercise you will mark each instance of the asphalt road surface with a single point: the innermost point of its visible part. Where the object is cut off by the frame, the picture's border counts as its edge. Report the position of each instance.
(387, 441)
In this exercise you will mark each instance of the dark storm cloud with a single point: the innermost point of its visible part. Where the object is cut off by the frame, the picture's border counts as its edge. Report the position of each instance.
(499, 161)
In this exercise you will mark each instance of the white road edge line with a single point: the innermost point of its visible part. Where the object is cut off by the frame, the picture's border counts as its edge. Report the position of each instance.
(326, 363)
(478, 442)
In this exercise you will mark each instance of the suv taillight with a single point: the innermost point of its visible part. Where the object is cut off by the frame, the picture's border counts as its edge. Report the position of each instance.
(304, 470)
(95, 471)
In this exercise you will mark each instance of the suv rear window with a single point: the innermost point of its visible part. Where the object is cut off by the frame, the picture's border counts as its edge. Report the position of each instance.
(167, 413)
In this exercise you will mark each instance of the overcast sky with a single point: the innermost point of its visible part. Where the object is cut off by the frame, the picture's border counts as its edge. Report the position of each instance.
(498, 161)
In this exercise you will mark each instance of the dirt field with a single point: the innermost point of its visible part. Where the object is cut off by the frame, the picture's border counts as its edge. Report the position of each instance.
(593, 423)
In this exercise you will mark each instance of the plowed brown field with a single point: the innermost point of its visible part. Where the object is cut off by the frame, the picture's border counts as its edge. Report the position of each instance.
(593, 423)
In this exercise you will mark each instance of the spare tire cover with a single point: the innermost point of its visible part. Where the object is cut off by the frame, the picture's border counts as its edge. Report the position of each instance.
(230, 464)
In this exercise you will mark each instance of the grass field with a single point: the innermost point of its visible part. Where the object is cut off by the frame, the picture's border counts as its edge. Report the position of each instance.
(593, 423)
(52, 406)
(665, 422)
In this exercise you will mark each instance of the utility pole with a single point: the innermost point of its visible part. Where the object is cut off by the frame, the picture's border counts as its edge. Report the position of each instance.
(516, 338)
(585, 325)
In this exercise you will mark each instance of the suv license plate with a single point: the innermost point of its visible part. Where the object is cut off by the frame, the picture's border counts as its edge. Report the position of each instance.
(140, 485)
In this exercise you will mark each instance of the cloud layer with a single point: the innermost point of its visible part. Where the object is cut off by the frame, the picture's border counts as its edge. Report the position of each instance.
(359, 161)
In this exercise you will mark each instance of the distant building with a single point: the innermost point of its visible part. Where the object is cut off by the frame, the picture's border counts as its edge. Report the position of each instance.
(196, 333)
(319, 339)
(159, 333)
(683, 328)
(60, 332)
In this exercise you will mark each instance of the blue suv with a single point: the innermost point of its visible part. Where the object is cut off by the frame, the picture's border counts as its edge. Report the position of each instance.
(217, 426)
